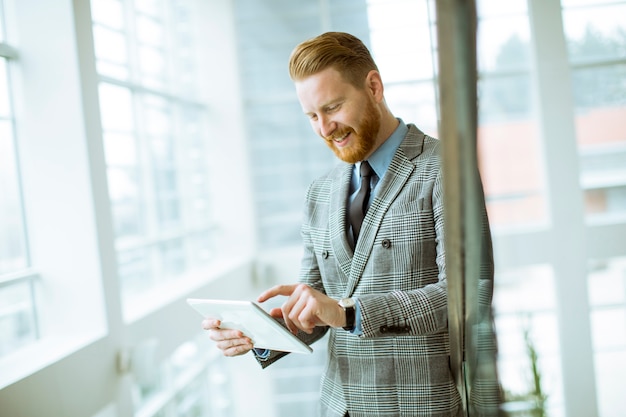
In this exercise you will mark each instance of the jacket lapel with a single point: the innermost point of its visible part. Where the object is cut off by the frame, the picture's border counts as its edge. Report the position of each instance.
(388, 189)
(338, 237)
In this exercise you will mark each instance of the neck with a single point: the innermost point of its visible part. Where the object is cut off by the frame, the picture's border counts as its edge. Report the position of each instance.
(388, 123)
(387, 126)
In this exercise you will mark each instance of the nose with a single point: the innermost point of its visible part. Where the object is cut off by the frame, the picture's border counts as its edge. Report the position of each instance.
(326, 126)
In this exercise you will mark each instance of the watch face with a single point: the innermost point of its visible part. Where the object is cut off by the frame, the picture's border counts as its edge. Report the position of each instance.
(347, 302)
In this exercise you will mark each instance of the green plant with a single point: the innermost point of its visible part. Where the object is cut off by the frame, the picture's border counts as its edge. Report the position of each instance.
(536, 395)
(531, 403)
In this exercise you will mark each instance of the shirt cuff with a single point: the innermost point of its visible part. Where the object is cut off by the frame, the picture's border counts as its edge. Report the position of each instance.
(261, 353)
(358, 328)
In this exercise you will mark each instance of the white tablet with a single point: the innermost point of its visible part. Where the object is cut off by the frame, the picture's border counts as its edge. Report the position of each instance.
(253, 321)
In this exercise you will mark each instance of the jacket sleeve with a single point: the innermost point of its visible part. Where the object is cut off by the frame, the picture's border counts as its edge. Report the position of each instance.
(420, 310)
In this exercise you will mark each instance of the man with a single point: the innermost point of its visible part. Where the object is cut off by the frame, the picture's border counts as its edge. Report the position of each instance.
(378, 287)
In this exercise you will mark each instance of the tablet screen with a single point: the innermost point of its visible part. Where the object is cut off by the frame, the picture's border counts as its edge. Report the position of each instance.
(253, 321)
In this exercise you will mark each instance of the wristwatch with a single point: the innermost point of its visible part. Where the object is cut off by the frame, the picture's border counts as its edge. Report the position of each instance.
(349, 306)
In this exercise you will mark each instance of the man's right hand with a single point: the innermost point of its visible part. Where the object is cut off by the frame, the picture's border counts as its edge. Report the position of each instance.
(230, 342)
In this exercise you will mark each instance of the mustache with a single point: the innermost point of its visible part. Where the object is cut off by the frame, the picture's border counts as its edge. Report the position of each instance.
(338, 135)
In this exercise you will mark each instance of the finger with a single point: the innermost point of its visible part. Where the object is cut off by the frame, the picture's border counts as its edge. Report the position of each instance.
(276, 312)
(235, 347)
(308, 318)
(295, 312)
(285, 290)
(208, 324)
(308, 315)
(292, 327)
(286, 310)
(219, 335)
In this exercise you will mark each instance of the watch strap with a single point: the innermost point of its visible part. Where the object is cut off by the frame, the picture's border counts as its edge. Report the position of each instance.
(350, 310)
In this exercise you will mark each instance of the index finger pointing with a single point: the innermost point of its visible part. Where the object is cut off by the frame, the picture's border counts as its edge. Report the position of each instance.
(285, 290)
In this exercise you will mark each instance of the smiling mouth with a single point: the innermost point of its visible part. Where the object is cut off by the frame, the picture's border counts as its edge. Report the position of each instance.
(341, 139)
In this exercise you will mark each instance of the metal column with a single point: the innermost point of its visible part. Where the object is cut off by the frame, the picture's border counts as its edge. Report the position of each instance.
(469, 260)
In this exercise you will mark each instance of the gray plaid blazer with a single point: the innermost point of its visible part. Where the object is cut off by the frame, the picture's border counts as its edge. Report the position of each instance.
(400, 365)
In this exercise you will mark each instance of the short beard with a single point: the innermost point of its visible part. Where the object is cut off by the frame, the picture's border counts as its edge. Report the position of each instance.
(364, 141)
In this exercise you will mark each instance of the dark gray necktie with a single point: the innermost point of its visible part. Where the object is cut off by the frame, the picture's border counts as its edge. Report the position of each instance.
(358, 207)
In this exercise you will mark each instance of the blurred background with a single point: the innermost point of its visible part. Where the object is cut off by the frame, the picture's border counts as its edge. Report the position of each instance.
(154, 150)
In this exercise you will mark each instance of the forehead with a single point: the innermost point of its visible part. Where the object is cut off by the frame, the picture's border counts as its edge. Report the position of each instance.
(322, 88)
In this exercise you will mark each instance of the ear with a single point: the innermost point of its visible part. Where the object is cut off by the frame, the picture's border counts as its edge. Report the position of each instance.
(374, 85)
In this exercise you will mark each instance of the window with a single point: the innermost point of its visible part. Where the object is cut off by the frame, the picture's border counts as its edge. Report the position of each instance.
(154, 128)
(527, 323)
(18, 319)
(285, 155)
(511, 154)
(408, 68)
(607, 298)
(596, 43)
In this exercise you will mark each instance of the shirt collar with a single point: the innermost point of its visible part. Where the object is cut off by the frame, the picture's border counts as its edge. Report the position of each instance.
(381, 158)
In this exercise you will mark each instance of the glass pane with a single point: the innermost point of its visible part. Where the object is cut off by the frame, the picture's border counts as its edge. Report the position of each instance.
(527, 322)
(281, 133)
(506, 98)
(610, 367)
(5, 109)
(151, 7)
(184, 59)
(125, 203)
(491, 8)
(599, 92)
(150, 31)
(392, 27)
(134, 271)
(415, 101)
(162, 152)
(595, 34)
(201, 247)
(120, 149)
(509, 149)
(156, 152)
(171, 256)
(13, 254)
(609, 328)
(110, 45)
(108, 13)
(152, 64)
(607, 298)
(503, 43)
(607, 283)
(17, 317)
(2, 29)
(109, 69)
(157, 116)
(116, 108)
(511, 168)
(390, 24)
(168, 213)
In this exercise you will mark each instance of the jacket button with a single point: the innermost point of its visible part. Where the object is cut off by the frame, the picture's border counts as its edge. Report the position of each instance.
(386, 243)
(324, 254)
